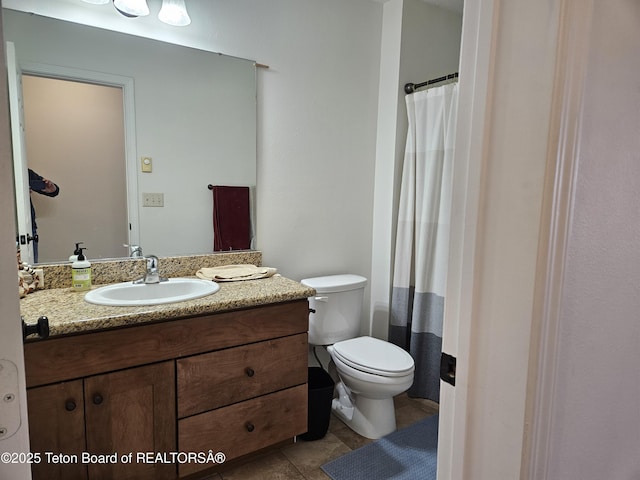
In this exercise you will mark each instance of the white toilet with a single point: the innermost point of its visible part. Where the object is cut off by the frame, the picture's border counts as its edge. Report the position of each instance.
(371, 371)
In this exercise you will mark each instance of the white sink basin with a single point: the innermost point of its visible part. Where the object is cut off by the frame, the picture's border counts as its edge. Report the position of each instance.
(129, 294)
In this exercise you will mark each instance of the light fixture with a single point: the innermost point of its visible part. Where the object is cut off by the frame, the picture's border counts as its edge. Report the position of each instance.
(132, 8)
(174, 12)
(97, 2)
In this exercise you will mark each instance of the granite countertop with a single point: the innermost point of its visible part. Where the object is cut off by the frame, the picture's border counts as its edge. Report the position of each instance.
(68, 313)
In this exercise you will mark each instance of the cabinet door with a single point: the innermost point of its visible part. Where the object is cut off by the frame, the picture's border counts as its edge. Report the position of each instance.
(131, 411)
(56, 430)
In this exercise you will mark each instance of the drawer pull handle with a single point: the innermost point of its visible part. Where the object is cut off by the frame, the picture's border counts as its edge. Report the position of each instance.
(250, 427)
(250, 372)
(97, 399)
(70, 405)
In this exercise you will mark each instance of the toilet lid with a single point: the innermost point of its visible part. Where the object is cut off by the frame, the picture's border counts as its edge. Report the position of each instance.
(374, 356)
(335, 283)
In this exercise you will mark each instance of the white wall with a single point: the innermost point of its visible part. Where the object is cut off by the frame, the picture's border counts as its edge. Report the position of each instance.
(386, 170)
(595, 415)
(316, 141)
(430, 42)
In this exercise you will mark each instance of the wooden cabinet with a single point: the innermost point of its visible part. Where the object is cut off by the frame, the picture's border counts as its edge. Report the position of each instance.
(131, 411)
(116, 413)
(56, 424)
(232, 382)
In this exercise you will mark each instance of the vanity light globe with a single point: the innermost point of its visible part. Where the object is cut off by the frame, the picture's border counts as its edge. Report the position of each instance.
(136, 8)
(174, 13)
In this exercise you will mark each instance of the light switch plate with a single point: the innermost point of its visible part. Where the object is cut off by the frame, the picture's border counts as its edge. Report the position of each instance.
(147, 164)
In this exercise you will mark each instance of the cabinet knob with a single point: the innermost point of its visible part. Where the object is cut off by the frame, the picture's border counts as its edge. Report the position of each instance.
(70, 405)
(249, 371)
(97, 399)
(250, 427)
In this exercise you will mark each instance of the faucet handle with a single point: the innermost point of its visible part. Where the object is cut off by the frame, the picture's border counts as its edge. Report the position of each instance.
(152, 275)
(152, 263)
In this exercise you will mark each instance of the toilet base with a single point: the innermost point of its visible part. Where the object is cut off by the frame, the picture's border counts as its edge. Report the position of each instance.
(371, 418)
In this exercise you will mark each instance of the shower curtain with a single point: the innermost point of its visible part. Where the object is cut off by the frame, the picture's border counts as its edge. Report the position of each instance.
(422, 239)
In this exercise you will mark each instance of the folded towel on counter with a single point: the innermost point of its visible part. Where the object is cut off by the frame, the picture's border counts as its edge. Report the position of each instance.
(232, 273)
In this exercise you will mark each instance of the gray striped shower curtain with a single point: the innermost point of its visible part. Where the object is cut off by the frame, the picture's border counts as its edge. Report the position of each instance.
(422, 239)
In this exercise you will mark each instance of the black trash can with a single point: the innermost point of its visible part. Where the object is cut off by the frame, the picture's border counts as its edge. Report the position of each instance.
(320, 397)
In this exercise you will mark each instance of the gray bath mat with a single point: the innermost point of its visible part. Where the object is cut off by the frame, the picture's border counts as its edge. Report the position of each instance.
(406, 454)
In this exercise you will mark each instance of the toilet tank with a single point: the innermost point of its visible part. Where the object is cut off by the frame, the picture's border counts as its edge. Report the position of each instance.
(336, 308)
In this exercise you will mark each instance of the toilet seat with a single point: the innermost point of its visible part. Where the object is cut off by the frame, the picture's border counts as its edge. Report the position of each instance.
(374, 356)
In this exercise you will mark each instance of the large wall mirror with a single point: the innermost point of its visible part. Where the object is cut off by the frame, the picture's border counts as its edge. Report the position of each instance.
(96, 103)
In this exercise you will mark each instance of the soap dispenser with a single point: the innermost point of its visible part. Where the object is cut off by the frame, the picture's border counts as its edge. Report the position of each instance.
(81, 272)
(76, 252)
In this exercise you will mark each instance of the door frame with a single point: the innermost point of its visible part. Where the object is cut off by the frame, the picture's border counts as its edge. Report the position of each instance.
(19, 150)
(109, 80)
(478, 328)
(11, 349)
(476, 72)
(557, 215)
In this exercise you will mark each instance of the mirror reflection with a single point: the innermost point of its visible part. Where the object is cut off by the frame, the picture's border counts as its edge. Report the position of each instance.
(101, 105)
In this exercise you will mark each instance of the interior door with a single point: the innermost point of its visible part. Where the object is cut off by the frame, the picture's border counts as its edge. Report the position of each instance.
(21, 177)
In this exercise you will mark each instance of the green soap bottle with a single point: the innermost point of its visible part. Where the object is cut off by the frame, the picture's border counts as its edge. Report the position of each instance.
(81, 272)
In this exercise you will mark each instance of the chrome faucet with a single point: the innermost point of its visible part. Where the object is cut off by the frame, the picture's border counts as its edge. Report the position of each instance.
(135, 251)
(152, 275)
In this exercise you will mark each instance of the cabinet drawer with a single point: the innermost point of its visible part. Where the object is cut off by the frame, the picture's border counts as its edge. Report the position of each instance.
(228, 376)
(244, 427)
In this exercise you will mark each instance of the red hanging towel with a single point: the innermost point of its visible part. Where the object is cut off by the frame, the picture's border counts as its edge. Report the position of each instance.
(231, 218)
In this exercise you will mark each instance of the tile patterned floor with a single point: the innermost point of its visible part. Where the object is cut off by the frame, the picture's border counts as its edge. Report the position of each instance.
(302, 460)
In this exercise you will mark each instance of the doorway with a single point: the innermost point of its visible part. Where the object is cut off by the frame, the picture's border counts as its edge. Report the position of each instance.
(74, 136)
(95, 138)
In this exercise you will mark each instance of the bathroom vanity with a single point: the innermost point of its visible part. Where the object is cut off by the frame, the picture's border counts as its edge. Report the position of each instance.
(159, 392)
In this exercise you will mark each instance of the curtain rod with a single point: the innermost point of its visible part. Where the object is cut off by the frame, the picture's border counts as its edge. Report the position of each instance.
(411, 87)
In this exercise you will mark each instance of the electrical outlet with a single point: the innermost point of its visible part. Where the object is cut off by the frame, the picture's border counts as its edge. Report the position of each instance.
(153, 199)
